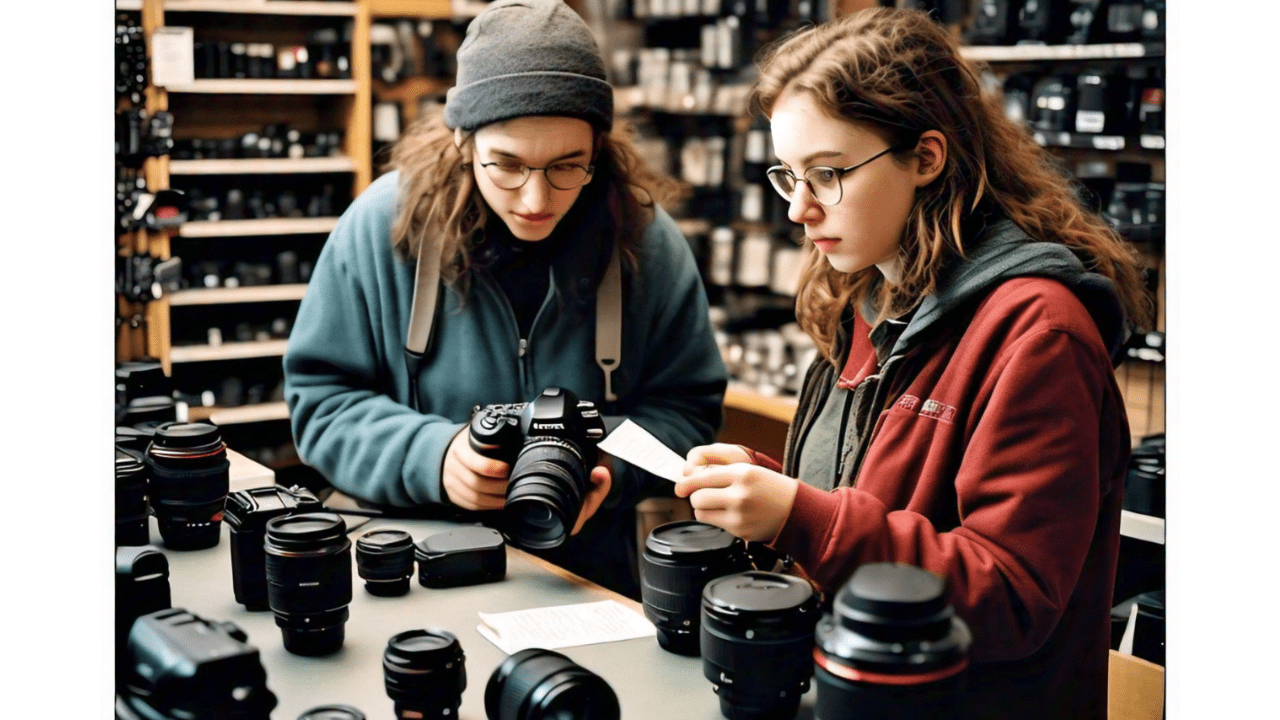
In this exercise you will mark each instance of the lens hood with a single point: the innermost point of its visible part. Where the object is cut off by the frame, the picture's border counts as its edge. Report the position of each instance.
(462, 556)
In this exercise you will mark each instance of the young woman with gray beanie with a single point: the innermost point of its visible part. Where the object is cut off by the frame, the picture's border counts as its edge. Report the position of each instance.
(521, 194)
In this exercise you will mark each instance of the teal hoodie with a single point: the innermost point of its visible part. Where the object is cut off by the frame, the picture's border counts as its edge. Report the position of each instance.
(347, 385)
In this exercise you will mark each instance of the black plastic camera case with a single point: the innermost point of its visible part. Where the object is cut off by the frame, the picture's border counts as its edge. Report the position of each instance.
(462, 556)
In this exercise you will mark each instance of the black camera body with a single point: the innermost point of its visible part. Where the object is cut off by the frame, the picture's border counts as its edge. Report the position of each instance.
(246, 514)
(551, 445)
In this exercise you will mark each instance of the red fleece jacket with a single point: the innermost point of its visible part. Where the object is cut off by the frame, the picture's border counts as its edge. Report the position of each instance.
(999, 467)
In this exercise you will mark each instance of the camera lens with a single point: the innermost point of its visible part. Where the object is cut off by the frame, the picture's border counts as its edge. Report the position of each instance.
(384, 558)
(131, 499)
(246, 515)
(332, 712)
(309, 580)
(679, 558)
(545, 494)
(539, 684)
(425, 673)
(891, 647)
(189, 483)
(757, 643)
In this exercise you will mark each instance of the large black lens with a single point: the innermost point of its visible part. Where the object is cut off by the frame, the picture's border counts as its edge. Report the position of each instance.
(131, 499)
(189, 483)
(679, 558)
(309, 580)
(545, 494)
(246, 514)
(757, 643)
(538, 684)
(332, 712)
(892, 647)
(384, 558)
(425, 673)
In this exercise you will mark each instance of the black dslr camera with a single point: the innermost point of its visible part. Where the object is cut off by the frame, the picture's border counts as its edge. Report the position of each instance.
(550, 444)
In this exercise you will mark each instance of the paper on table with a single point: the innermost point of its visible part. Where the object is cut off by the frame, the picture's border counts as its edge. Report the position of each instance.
(639, 447)
(562, 626)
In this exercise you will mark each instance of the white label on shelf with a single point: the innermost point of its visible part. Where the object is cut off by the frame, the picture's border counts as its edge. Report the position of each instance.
(752, 202)
(1090, 121)
(755, 259)
(1108, 142)
(173, 56)
(1152, 142)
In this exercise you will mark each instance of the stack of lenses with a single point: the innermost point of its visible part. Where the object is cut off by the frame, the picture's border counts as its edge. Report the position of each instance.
(190, 478)
(332, 712)
(425, 673)
(309, 580)
(131, 499)
(384, 558)
(757, 643)
(539, 684)
(247, 513)
(891, 647)
(679, 558)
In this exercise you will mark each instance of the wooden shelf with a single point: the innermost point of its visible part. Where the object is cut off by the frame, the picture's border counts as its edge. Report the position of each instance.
(781, 408)
(239, 415)
(226, 296)
(129, 5)
(427, 9)
(1142, 527)
(267, 86)
(262, 7)
(262, 166)
(1030, 53)
(266, 226)
(227, 351)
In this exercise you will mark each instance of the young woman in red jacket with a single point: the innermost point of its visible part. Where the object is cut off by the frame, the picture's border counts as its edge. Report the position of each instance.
(963, 415)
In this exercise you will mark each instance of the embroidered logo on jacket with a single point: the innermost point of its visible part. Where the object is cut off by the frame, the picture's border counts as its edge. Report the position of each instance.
(938, 411)
(908, 402)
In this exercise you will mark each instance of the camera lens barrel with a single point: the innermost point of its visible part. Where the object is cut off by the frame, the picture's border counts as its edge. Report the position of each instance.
(308, 572)
(131, 499)
(891, 647)
(247, 513)
(537, 684)
(332, 712)
(468, 555)
(544, 496)
(425, 673)
(190, 478)
(757, 642)
(384, 558)
(679, 559)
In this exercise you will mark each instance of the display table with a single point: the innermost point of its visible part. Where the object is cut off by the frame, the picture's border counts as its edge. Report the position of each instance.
(651, 683)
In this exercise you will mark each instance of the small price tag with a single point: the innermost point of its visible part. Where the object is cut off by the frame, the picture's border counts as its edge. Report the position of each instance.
(173, 56)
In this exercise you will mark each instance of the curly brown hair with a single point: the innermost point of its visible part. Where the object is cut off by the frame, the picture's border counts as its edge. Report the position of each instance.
(900, 74)
(440, 204)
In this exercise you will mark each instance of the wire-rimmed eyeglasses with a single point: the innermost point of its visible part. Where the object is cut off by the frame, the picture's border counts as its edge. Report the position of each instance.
(561, 176)
(824, 182)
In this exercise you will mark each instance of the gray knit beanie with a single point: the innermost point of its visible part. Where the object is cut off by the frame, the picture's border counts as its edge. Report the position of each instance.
(528, 57)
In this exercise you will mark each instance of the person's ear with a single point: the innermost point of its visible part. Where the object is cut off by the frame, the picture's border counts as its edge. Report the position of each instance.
(931, 156)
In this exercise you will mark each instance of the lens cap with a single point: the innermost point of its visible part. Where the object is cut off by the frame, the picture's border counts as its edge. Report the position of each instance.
(892, 590)
(756, 591)
(186, 435)
(384, 542)
(688, 537)
(332, 712)
(306, 528)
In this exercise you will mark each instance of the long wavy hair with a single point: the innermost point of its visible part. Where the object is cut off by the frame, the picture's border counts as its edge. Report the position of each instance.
(900, 74)
(441, 210)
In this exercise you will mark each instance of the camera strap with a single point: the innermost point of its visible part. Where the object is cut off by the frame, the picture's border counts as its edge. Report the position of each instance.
(426, 299)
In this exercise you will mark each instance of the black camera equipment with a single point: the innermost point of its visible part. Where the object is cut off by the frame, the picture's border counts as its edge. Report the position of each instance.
(892, 646)
(550, 444)
(1043, 21)
(143, 278)
(679, 559)
(757, 642)
(537, 684)
(131, 498)
(1153, 20)
(143, 393)
(470, 555)
(1017, 97)
(190, 479)
(1124, 20)
(995, 22)
(136, 438)
(1101, 103)
(246, 515)
(1053, 104)
(384, 559)
(1148, 625)
(332, 712)
(142, 586)
(130, 56)
(1144, 485)
(182, 667)
(425, 673)
(309, 580)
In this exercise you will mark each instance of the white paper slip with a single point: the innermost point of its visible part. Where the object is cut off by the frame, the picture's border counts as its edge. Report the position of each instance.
(562, 626)
(173, 55)
(639, 447)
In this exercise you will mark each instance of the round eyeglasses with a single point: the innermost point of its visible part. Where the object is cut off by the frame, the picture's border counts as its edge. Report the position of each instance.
(561, 176)
(824, 182)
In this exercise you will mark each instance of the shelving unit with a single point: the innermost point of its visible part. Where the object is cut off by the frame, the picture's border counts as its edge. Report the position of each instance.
(227, 351)
(262, 166)
(264, 7)
(266, 86)
(263, 226)
(261, 412)
(225, 296)
(1030, 53)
